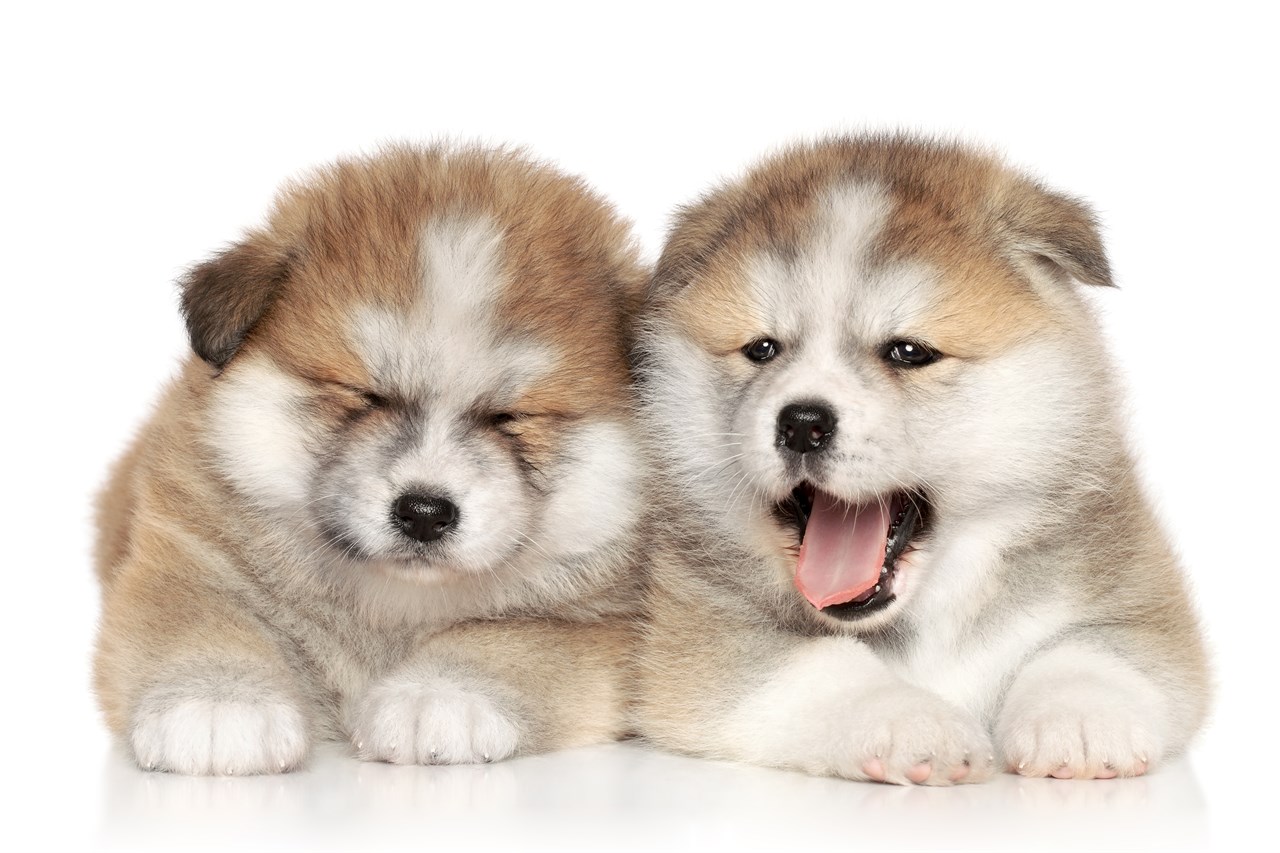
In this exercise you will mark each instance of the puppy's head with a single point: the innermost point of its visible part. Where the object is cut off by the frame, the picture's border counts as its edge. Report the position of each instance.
(863, 344)
(420, 364)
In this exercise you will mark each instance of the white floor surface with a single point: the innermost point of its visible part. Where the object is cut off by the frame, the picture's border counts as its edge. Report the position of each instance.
(628, 797)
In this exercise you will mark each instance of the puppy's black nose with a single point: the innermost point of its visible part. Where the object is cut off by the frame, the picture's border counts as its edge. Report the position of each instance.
(803, 427)
(424, 517)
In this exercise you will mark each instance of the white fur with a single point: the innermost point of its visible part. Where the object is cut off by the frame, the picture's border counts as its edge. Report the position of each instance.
(1010, 445)
(1079, 711)
(981, 453)
(595, 502)
(801, 302)
(255, 431)
(434, 720)
(447, 354)
(447, 348)
(830, 291)
(831, 707)
(832, 312)
(822, 305)
(449, 358)
(969, 669)
(948, 588)
(494, 505)
(216, 737)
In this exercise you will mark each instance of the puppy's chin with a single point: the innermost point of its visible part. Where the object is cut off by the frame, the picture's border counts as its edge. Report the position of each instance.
(430, 566)
(419, 571)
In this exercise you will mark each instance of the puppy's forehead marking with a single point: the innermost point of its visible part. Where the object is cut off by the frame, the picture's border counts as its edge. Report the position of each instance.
(461, 260)
(447, 345)
(833, 286)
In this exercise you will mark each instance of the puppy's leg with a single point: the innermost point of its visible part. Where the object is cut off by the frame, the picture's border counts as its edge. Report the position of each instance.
(193, 685)
(485, 691)
(716, 684)
(1100, 705)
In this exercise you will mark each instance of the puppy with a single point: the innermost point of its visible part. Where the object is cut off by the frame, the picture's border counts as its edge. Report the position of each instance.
(391, 496)
(900, 517)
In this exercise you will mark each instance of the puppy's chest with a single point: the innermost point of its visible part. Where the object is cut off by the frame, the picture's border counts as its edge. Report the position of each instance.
(337, 652)
(970, 664)
(955, 670)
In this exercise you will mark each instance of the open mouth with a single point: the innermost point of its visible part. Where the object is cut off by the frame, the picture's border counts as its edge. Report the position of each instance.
(848, 555)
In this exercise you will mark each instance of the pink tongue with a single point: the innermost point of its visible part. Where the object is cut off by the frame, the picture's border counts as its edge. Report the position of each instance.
(842, 551)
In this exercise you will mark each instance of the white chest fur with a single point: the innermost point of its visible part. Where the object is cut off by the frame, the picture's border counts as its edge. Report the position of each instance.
(964, 646)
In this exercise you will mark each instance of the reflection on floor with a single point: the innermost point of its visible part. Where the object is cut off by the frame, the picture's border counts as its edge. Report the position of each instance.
(629, 797)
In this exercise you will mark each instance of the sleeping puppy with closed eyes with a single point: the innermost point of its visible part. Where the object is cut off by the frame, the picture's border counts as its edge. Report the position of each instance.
(389, 498)
(902, 538)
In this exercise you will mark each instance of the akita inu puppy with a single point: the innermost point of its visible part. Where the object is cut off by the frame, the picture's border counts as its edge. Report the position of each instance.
(900, 519)
(391, 497)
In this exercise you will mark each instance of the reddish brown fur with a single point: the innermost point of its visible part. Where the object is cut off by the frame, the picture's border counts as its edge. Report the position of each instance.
(1003, 248)
(949, 204)
(179, 550)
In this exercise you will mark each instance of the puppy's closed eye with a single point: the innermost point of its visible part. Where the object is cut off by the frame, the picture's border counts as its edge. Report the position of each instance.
(352, 398)
(515, 423)
(506, 422)
(372, 399)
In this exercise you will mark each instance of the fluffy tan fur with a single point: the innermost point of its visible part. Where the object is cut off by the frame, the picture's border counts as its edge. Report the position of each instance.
(999, 253)
(213, 605)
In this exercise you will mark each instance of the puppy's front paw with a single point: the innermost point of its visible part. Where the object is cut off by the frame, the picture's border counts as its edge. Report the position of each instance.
(905, 735)
(439, 721)
(214, 737)
(833, 710)
(1077, 729)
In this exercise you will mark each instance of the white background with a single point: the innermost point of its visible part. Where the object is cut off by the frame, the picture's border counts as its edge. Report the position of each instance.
(137, 140)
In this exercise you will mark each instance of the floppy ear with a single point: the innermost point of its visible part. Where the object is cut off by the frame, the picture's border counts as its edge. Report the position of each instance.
(1058, 229)
(224, 297)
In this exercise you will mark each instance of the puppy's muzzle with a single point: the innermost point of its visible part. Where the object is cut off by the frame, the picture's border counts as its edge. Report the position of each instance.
(424, 518)
(806, 426)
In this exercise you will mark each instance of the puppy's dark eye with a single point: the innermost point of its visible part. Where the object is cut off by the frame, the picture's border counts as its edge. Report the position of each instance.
(374, 401)
(762, 349)
(911, 354)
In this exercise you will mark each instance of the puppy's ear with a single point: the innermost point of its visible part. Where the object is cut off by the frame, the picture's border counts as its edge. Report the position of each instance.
(224, 297)
(1058, 229)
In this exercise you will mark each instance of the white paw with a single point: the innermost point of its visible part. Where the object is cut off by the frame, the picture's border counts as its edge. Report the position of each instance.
(434, 722)
(832, 709)
(906, 735)
(214, 737)
(1077, 728)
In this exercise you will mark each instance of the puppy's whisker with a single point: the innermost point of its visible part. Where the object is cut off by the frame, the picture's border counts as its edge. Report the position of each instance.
(533, 544)
(294, 514)
(742, 477)
(710, 469)
(747, 480)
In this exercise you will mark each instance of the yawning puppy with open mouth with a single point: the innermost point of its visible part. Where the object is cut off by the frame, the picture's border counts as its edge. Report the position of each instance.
(849, 553)
(893, 478)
